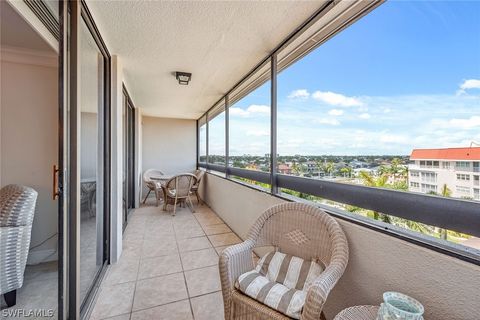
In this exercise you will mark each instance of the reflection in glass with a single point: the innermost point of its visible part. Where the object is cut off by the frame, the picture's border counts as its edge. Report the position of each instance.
(91, 160)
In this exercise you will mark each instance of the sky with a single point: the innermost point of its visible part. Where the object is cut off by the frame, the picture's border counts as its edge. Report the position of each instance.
(405, 76)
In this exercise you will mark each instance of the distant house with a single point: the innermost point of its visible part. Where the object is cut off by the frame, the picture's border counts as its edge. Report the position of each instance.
(311, 166)
(284, 169)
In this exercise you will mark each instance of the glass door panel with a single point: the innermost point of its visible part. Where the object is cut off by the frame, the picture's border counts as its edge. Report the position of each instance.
(91, 160)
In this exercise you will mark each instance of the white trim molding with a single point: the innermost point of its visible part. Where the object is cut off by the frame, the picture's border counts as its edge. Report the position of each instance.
(28, 56)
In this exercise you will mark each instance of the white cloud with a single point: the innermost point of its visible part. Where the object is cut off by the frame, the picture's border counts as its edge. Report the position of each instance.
(252, 109)
(258, 133)
(469, 84)
(299, 94)
(336, 99)
(365, 116)
(335, 112)
(329, 121)
(394, 138)
(234, 111)
(456, 123)
(255, 108)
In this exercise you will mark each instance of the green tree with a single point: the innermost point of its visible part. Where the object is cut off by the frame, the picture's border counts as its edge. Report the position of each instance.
(328, 168)
(347, 171)
(445, 192)
(298, 169)
(378, 182)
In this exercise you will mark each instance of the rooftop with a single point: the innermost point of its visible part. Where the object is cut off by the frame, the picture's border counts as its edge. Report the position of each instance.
(470, 153)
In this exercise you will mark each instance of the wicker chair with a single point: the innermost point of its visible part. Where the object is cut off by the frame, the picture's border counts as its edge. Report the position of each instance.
(151, 184)
(293, 228)
(177, 191)
(199, 174)
(17, 207)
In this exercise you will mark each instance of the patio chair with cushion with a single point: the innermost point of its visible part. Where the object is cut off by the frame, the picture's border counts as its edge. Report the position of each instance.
(177, 191)
(17, 207)
(199, 174)
(151, 184)
(294, 280)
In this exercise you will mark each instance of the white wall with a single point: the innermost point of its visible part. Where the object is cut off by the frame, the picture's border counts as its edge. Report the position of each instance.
(29, 140)
(447, 287)
(168, 144)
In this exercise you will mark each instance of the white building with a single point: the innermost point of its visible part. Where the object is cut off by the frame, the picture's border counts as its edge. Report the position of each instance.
(457, 168)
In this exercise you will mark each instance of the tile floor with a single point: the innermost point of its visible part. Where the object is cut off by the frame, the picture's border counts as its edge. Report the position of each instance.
(39, 291)
(168, 268)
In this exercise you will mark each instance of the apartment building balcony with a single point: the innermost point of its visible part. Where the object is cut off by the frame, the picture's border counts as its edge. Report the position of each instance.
(169, 265)
(318, 102)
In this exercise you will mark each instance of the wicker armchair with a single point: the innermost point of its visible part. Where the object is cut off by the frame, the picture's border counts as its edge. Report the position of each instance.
(17, 207)
(199, 174)
(297, 229)
(177, 190)
(151, 184)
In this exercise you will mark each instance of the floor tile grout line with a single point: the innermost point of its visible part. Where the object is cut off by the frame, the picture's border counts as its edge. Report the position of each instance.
(178, 253)
(138, 271)
(185, 280)
(160, 305)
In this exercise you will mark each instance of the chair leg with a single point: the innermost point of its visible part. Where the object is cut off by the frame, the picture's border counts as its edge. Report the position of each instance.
(322, 316)
(157, 197)
(198, 197)
(190, 204)
(10, 298)
(144, 200)
(175, 206)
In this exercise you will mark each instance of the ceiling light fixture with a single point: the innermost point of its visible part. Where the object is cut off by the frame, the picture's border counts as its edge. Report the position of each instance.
(183, 77)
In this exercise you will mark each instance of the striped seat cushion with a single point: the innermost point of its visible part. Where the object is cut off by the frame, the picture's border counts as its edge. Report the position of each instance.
(280, 281)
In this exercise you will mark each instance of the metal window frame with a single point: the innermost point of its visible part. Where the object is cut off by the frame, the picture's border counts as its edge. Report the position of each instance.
(46, 16)
(428, 209)
(70, 304)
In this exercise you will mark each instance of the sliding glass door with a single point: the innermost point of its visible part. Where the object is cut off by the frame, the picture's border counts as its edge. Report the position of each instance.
(85, 147)
(92, 159)
(128, 119)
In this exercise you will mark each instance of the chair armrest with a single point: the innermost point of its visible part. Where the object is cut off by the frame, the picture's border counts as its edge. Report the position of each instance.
(234, 261)
(320, 289)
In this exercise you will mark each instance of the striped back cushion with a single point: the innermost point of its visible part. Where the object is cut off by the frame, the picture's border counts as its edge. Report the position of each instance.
(292, 272)
(275, 295)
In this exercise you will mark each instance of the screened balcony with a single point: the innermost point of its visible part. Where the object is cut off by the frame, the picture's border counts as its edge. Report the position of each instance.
(259, 144)
(367, 110)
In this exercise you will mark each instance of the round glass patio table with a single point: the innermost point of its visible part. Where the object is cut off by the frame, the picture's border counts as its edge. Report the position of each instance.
(358, 313)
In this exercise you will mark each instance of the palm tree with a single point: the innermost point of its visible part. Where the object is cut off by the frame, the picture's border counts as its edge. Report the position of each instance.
(446, 192)
(378, 182)
(347, 171)
(298, 169)
(319, 165)
(328, 168)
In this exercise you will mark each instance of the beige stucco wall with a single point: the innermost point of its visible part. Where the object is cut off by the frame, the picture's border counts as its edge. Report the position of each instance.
(168, 144)
(29, 143)
(448, 287)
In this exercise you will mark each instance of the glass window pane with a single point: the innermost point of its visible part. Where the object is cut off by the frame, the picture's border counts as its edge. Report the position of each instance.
(249, 122)
(401, 81)
(216, 136)
(202, 139)
(91, 160)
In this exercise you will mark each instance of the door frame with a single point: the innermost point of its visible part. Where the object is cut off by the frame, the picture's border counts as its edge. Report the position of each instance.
(128, 189)
(72, 12)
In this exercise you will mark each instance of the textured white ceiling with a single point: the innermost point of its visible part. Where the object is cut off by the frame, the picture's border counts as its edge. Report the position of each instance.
(217, 41)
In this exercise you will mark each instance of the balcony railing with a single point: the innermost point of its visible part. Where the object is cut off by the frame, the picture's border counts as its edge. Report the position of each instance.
(428, 209)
